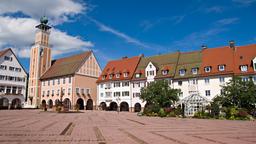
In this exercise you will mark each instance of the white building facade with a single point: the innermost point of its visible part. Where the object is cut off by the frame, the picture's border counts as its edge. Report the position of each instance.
(13, 81)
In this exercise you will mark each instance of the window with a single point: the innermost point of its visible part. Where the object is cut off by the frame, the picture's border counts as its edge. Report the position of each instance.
(69, 91)
(194, 70)
(11, 68)
(207, 69)
(125, 74)
(164, 72)
(88, 91)
(136, 95)
(69, 79)
(206, 80)
(245, 79)
(254, 78)
(19, 90)
(117, 75)
(3, 67)
(124, 84)
(125, 93)
(221, 67)
(182, 72)
(222, 79)
(58, 81)
(48, 93)
(8, 90)
(180, 83)
(7, 58)
(193, 81)
(48, 82)
(43, 93)
(180, 94)
(101, 94)
(117, 84)
(151, 73)
(43, 83)
(117, 94)
(77, 90)
(137, 75)
(53, 82)
(101, 85)
(58, 92)
(2, 88)
(108, 86)
(244, 68)
(64, 80)
(82, 91)
(108, 94)
(110, 76)
(63, 91)
(14, 90)
(207, 93)
(52, 92)
(18, 69)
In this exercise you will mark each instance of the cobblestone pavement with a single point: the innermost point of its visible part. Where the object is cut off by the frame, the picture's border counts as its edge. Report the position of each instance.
(99, 127)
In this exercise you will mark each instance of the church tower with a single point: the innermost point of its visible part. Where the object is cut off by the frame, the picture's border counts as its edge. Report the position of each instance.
(40, 61)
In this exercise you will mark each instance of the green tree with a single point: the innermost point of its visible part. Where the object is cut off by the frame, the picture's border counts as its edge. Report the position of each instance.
(238, 93)
(158, 95)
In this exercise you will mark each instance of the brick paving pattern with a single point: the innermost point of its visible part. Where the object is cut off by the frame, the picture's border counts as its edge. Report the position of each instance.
(100, 127)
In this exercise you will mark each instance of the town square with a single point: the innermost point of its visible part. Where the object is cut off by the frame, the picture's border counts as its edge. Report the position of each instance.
(113, 72)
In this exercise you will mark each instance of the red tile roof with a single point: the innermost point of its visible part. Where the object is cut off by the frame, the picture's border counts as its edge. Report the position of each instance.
(244, 56)
(214, 57)
(66, 66)
(123, 65)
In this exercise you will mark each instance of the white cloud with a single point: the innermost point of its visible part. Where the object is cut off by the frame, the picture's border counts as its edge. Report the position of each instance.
(227, 21)
(127, 38)
(57, 10)
(215, 9)
(19, 33)
(244, 2)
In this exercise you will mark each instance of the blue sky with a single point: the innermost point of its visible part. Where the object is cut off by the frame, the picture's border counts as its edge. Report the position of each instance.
(114, 29)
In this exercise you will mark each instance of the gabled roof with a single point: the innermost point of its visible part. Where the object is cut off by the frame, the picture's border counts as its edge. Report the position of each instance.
(121, 66)
(187, 61)
(66, 66)
(2, 52)
(161, 62)
(244, 55)
(214, 57)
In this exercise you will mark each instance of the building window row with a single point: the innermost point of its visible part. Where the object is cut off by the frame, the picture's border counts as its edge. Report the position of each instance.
(11, 68)
(10, 90)
(83, 91)
(58, 81)
(7, 58)
(117, 75)
(11, 78)
(52, 92)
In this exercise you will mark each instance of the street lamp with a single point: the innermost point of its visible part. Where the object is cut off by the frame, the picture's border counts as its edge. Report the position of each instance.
(118, 99)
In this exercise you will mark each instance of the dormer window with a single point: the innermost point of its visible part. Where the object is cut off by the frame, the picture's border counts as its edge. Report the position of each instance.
(125, 74)
(110, 76)
(244, 68)
(137, 75)
(194, 70)
(254, 64)
(118, 75)
(104, 77)
(164, 72)
(208, 69)
(182, 72)
(221, 67)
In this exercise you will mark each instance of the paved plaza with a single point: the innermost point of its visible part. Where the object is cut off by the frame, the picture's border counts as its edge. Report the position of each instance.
(100, 127)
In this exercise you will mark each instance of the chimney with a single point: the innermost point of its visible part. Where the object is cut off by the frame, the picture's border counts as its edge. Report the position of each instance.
(141, 55)
(232, 44)
(204, 47)
(125, 57)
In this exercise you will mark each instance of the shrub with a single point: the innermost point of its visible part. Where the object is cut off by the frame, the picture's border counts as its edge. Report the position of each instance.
(242, 113)
(162, 113)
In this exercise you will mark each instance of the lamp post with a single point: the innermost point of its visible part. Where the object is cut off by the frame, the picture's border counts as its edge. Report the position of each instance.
(118, 105)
